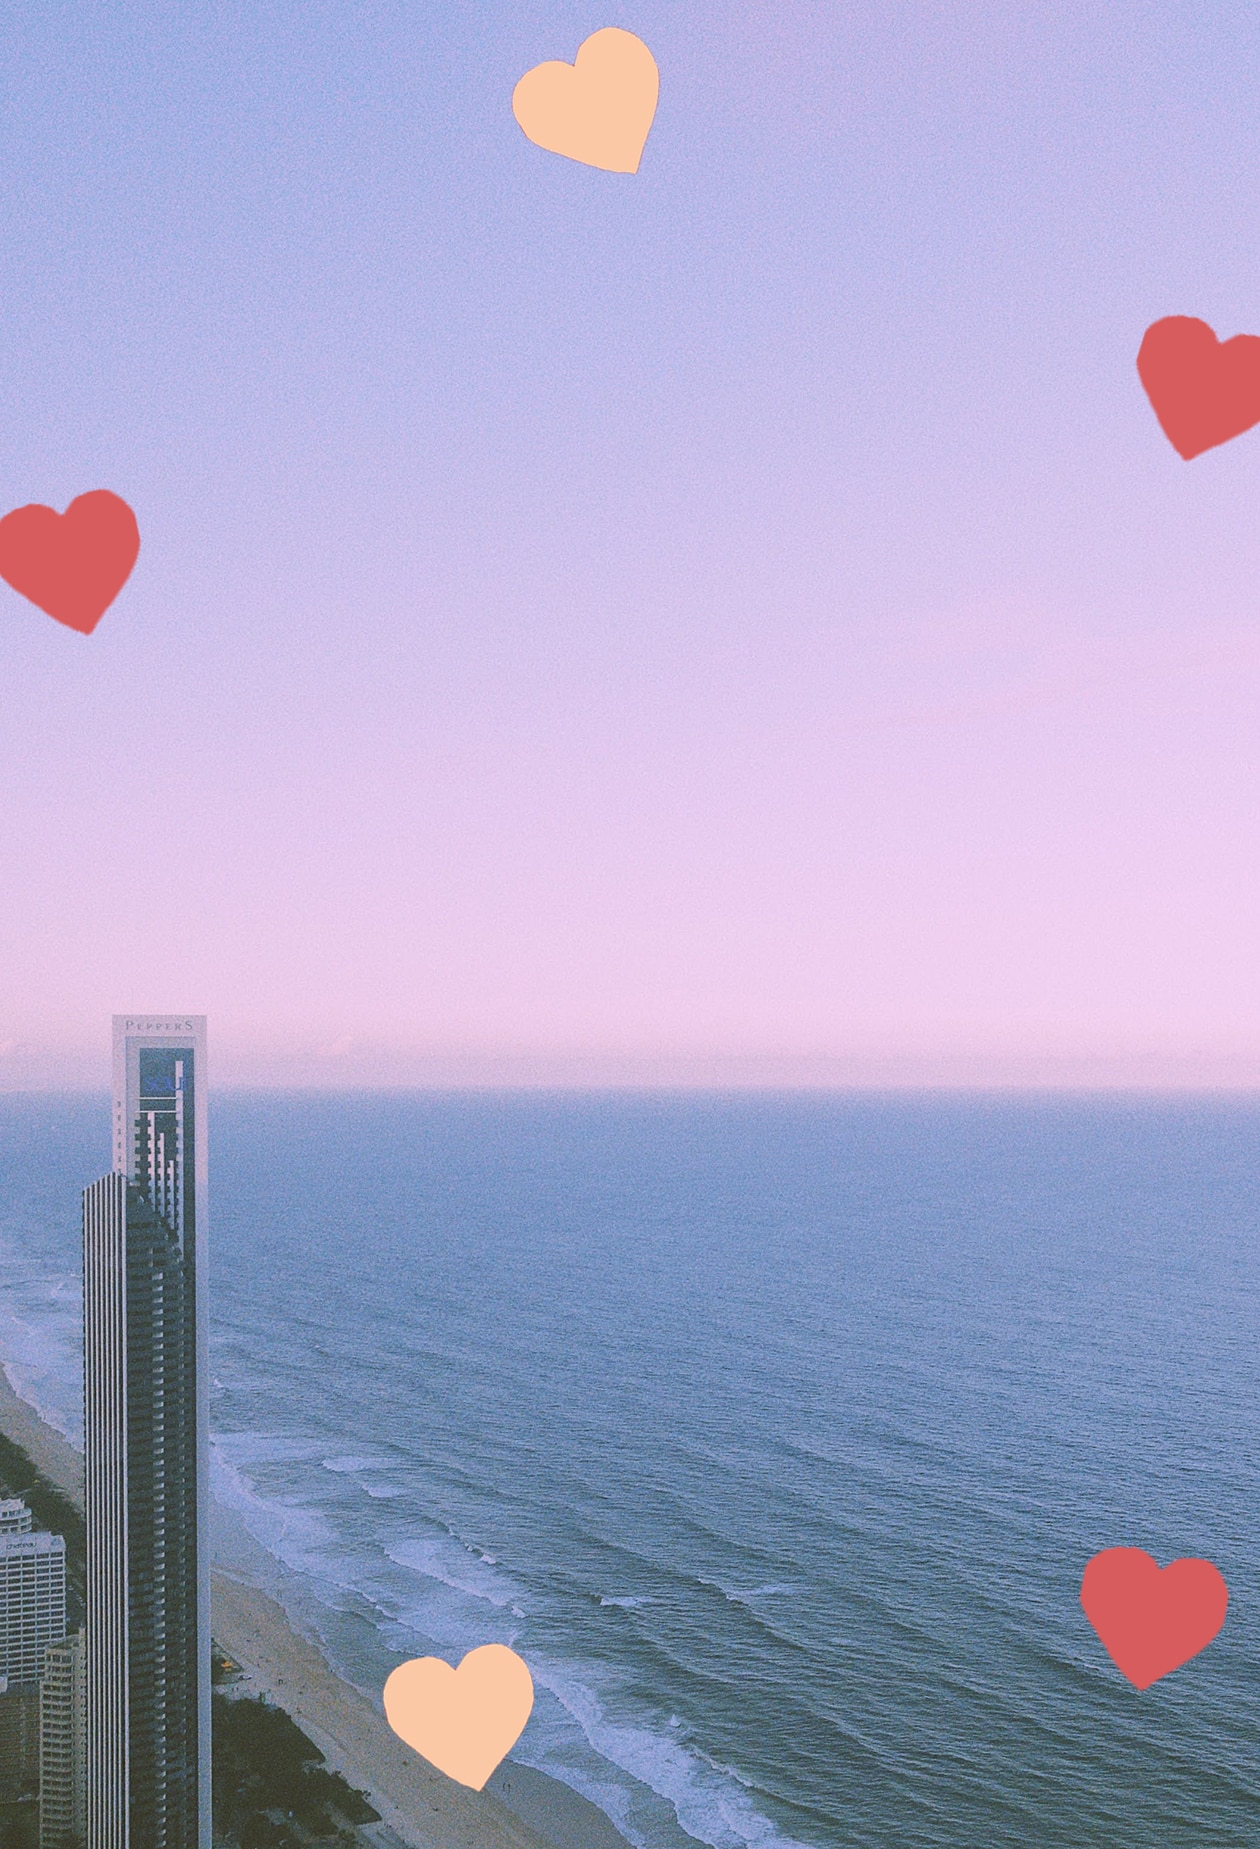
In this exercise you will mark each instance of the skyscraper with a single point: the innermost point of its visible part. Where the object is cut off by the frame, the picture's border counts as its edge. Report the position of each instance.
(145, 1383)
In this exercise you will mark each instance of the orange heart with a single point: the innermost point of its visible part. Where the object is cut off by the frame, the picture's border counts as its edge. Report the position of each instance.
(465, 1720)
(598, 109)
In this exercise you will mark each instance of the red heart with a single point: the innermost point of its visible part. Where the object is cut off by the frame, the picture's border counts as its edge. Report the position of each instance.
(71, 565)
(1203, 390)
(1152, 1621)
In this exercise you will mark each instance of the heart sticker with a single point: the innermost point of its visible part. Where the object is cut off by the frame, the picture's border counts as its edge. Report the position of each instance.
(1203, 390)
(1152, 1620)
(465, 1720)
(70, 565)
(597, 110)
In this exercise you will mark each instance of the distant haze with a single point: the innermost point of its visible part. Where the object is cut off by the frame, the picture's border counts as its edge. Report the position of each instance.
(735, 624)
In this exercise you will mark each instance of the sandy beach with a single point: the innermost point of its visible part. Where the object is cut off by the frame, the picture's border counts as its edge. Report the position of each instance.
(520, 1809)
(52, 1455)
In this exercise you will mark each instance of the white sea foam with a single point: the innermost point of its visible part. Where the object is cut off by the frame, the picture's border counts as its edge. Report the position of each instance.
(449, 1563)
(43, 1360)
(708, 1800)
(293, 1534)
(252, 1448)
(31, 1385)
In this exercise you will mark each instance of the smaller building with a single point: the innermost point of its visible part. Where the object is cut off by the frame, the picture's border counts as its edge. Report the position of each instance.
(63, 1747)
(15, 1517)
(19, 1742)
(32, 1603)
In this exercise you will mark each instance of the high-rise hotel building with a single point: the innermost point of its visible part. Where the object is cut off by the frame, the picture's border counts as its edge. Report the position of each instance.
(145, 1386)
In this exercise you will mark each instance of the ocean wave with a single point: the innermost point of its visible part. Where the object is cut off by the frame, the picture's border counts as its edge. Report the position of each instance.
(449, 1562)
(43, 1365)
(264, 1447)
(708, 1801)
(294, 1535)
(30, 1384)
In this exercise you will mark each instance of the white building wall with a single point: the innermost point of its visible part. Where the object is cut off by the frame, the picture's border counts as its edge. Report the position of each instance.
(15, 1517)
(32, 1603)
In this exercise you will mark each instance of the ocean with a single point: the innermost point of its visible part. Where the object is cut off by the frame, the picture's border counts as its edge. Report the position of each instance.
(774, 1432)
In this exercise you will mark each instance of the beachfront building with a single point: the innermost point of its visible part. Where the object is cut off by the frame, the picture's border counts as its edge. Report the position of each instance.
(32, 1622)
(63, 1747)
(148, 1587)
(15, 1517)
(32, 1603)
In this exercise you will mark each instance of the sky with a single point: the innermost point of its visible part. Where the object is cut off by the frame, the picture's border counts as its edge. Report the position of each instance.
(735, 623)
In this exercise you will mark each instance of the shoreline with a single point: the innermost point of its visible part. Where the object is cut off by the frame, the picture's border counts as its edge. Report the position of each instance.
(520, 1808)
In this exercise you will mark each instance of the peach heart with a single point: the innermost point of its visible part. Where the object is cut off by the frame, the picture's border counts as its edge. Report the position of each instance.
(465, 1720)
(598, 109)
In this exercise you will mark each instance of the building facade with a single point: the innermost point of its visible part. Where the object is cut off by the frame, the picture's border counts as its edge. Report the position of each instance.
(19, 1743)
(63, 1746)
(32, 1625)
(32, 1603)
(15, 1517)
(147, 1706)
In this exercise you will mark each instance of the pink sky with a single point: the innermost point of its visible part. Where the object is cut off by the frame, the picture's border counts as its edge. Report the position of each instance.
(738, 624)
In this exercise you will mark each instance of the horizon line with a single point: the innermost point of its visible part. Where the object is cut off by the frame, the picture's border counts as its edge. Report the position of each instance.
(1115, 1087)
(343, 1066)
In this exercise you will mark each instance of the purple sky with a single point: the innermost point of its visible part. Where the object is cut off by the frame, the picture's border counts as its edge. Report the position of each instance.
(739, 622)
